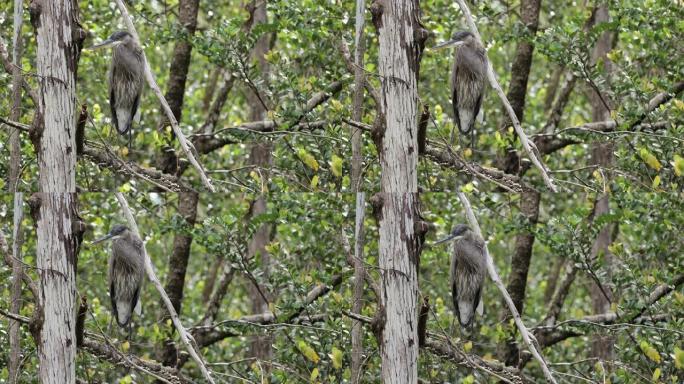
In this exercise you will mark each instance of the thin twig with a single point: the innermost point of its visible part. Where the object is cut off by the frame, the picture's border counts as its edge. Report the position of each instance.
(182, 332)
(494, 275)
(514, 119)
(169, 113)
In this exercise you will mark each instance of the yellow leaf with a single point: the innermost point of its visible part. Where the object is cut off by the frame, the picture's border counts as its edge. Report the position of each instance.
(679, 298)
(125, 346)
(314, 375)
(467, 188)
(656, 181)
(649, 351)
(308, 352)
(679, 104)
(255, 176)
(336, 357)
(123, 151)
(649, 159)
(336, 105)
(679, 358)
(678, 165)
(336, 165)
(467, 152)
(468, 346)
(656, 375)
(470, 379)
(307, 159)
(314, 182)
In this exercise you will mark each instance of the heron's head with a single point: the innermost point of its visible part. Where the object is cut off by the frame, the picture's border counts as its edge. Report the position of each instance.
(117, 38)
(458, 38)
(116, 232)
(458, 232)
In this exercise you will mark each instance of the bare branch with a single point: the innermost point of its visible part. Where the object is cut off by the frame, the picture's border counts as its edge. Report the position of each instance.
(182, 332)
(494, 275)
(167, 109)
(16, 125)
(511, 113)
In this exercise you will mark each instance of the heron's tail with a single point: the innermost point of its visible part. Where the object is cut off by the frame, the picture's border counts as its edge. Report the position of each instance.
(124, 120)
(123, 312)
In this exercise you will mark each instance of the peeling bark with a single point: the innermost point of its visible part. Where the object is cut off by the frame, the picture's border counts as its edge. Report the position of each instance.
(401, 40)
(59, 230)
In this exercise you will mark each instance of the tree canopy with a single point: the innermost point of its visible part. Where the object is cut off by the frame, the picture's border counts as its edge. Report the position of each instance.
(595, 270)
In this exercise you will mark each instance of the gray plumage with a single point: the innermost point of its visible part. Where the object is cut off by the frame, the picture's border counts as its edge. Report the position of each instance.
(126, 273)
(468, 78)
(126, 79)
(466, 273)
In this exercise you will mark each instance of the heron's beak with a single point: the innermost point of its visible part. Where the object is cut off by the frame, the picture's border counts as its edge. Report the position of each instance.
(450, 237)
(103, 238)
(447, 44)
(104, 44)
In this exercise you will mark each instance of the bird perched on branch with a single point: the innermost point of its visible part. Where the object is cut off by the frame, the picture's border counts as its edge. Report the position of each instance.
(468, 79)
(467, 273)
(126, 273)
(126, 79)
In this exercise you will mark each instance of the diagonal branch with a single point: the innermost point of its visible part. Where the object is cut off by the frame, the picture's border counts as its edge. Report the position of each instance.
(165, 105)
(182, 332)
(494, 275)
(511, 113)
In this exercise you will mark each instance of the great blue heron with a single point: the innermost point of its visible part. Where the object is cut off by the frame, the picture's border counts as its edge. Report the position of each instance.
(467, 80)
(467, 273)
(126, 78)
(126, 273)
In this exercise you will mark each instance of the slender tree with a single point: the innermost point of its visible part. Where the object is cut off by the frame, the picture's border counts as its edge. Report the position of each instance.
(260, 157)
(602, 156)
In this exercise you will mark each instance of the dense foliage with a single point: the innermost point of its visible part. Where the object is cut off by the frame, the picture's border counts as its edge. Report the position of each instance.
(310, 208)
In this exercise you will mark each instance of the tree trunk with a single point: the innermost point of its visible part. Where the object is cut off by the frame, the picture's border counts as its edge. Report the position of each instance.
(15, 112)
(178, 74)
(520, 73)
(14, 169)
(187, 205)
(54, 133)
(357, 113)
(58, 236)
(520, 265)
(401, 40)
(602, 155)
(56, 255)
(178, 264)
(16, 302)
(260, 156)
(357, 301)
